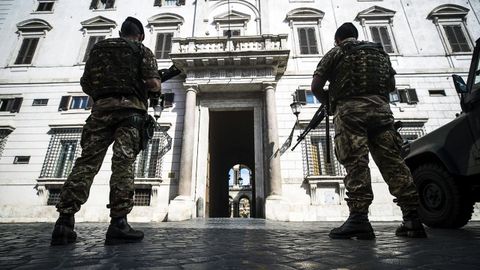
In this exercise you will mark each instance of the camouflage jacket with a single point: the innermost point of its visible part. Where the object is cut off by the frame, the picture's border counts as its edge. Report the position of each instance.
(147, 69)
(327, 70)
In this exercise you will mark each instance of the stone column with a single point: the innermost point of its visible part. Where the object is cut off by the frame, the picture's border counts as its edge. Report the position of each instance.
(188, 139)
(274, 176)
(182, 207)
(275, 207)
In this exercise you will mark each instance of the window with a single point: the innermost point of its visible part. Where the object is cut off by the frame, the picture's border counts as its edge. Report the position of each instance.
(94, 30)
(168, 99)
(10, 104)
(164, 27)
(456, 38)
(31, 32)
(231, 33)
(408, 96)
(308, 40)
(305, 25)
(21, 160)
(306, 97)
(4, 132)
(66, 158)
(27, 50)
(159, 3)
(437, 93)
(377, 24)
(149, 161)
(45, 6)
(314, 151)
(40, 102)
(412, 130)
(380, 35)
(449, 21)
(163, 45)
(102, 4)
(232, 23)
(63, 149)
(75, 103)
(79, 102)
(142, 197)
(92, 40)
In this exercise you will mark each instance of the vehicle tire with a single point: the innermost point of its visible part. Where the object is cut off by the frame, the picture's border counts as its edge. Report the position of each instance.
(443, 202)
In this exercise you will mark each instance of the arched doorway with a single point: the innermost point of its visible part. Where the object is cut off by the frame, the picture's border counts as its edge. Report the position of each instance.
(240, 190)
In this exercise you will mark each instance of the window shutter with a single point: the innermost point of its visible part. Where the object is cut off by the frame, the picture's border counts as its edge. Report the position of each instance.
(159, 46)
(301, 96)
(27, 50)
(386, 41)
(64, 103)
(302, 37)
(394, 96)
(157, 3)
(92, 40)
(17, 103)
(94, 4)
(312, 41)
(163, 45)
(381, 35)
(89, 103)
(403, 95)
(168, 100)
(456, 38)
(412, 95)
(168, 45)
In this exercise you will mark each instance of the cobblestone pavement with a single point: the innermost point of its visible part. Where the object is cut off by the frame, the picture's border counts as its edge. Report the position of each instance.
(239, 244)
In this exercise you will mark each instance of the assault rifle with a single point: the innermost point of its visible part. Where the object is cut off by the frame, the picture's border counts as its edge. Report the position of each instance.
(157, 100)
(317, 118)
(168, 73)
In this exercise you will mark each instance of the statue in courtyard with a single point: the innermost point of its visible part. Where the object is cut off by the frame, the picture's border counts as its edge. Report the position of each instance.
(119, 75)
(361, 78)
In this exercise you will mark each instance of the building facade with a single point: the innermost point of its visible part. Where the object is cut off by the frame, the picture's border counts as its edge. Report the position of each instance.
(242, 61)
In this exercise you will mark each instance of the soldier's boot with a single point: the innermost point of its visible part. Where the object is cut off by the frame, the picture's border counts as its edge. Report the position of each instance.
(120, 232)
(63, 232)
(357, 226)
(411, 226)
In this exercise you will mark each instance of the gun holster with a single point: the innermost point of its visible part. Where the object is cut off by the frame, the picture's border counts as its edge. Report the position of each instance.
(145, 124)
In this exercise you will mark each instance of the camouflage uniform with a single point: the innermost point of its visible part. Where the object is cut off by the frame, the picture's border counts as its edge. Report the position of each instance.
(116, 119)
(364, 124)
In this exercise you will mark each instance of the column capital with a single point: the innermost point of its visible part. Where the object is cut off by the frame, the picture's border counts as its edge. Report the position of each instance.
(269, 85)
(191, 87)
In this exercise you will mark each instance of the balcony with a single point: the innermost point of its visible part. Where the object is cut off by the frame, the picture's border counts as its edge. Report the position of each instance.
(231, 61)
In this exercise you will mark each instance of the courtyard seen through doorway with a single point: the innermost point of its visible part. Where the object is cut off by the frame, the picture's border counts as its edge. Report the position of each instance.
(240, 191)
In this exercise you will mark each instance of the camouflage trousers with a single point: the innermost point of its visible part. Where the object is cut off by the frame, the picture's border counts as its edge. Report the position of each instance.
(101, 129)
(360, 128)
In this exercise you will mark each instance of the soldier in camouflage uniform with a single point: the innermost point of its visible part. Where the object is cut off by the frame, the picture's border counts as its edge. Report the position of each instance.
(119, 75)
(361, 77)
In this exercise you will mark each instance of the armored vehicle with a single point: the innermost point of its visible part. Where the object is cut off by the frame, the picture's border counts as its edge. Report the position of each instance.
(445, 163)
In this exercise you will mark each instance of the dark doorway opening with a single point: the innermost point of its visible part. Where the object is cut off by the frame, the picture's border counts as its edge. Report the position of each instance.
(231, 142)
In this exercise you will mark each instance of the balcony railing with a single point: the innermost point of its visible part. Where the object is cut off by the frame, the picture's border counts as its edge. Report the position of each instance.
(233, 44)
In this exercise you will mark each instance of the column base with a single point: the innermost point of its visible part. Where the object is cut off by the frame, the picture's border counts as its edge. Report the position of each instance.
(276, 208)
(181, 208)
